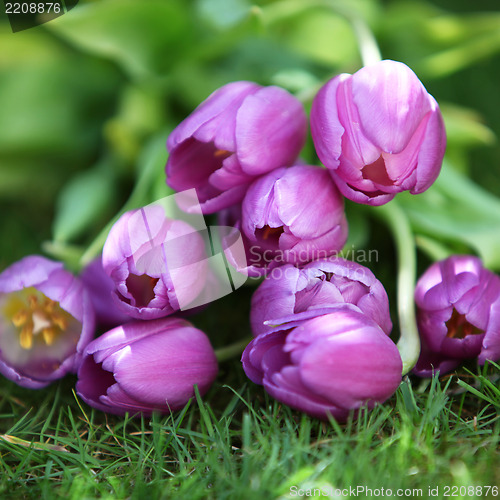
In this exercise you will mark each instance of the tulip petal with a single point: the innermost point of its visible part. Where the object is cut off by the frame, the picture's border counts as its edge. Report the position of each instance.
(191, 164)
(180, 358)
(216, 105)
(353, 369)
(27, 272)
(302, 193)
(288, 387)
(326, 128)
(431, 152)
(391, 102)
(271, 128)
(491, 341)
(274, 297)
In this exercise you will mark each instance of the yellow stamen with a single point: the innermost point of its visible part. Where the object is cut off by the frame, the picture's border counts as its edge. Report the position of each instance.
(49, 305)
(38, 319)
(49, 335)
(59, 321)
(20, 318)
(26, 337)
(219, 153)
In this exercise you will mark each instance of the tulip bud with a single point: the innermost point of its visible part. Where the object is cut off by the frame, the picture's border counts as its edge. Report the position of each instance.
(379, 132)
(330, 364)
(458, 314)
(158, 265)
(46, 320)
(146, 366)
(241, 131)
(288, 293)
(293, 215)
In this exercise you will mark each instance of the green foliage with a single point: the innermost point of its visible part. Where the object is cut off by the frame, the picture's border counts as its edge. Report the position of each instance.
(83, 200)
(144, 37)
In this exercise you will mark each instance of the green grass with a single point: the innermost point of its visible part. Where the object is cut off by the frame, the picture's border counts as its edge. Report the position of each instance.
(238, 443)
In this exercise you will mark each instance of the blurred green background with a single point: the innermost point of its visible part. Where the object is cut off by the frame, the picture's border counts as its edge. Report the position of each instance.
(87, 100)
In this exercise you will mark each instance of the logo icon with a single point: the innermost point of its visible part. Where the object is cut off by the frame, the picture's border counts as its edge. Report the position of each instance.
(214, 254)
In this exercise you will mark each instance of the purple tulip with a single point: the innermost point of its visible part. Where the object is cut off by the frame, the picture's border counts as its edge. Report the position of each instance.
(146, 366)
(158, 265)
(330, 364)
(289, 293)
(100, 287)
(46, 320)
(379, 132)
(292, 215)
(458, 314)
(241, 131)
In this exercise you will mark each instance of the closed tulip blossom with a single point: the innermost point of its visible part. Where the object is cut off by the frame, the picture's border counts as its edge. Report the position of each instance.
(458, 314)
(158, 265)
(241, 131)
(146, 366)
(328, 365)
(379, 132)
(289, 293)
(292, 215)
(46, 320)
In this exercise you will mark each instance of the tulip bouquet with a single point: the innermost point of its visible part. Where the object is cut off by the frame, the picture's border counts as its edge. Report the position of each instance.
(321, 323)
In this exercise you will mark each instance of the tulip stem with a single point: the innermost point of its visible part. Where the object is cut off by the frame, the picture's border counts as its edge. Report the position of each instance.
(137, 198)
(368, 46)
(409, 342)
(232, 350)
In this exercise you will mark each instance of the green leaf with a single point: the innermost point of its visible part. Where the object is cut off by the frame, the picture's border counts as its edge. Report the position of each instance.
(46, 96)
(32, 444)
(323, 36)
(461, 56)
(86, 198)
(224, 13)
(464, 127)
(141, 113)
(144, 37)
(458, 210)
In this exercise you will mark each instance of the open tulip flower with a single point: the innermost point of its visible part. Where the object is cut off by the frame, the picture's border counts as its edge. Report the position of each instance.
(292, 215)
(158, 265)
(458, 314)
(328, 365)
(289, 293)
(146, 366)
(379, 132)
(241, 131)
(46, 320)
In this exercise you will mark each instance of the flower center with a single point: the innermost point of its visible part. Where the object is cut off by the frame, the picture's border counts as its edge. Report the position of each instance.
(459, 327)
(377, 172)
(271, 232)
(141, 288)
(36, 317)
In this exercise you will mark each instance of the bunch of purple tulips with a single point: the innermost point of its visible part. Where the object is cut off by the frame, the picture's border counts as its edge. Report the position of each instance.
(321, 323)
